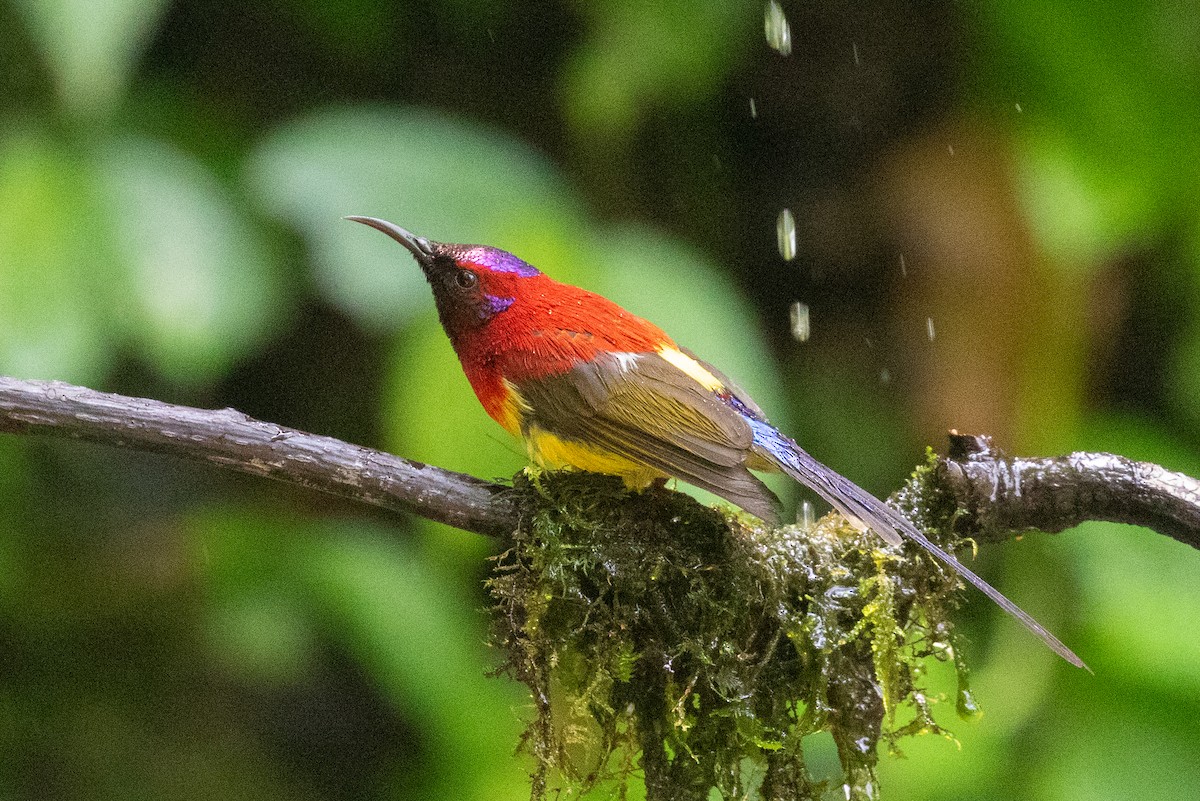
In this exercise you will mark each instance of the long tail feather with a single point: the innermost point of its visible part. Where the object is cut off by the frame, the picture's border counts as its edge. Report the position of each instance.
(855, 502)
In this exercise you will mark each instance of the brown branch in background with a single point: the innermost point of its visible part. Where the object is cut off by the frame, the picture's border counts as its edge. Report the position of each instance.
(230, 439)
(1002, 494)
(1006, 494)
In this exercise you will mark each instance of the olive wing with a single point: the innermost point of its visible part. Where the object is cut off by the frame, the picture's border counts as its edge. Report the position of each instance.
(649, 411)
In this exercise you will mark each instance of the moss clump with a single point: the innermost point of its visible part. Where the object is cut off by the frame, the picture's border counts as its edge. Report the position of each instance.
(646, 623)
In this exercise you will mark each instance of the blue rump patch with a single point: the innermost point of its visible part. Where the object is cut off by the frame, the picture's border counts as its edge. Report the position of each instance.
(781, 446)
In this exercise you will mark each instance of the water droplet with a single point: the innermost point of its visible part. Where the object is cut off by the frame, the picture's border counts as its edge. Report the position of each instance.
(860, 790)
(801, 328)
(779, 32)
(903, 267)
(885, 376)
(1018, 105)
(753, 110)
(929, 328)
(785, 231)
(966, 705)
(855, 46)
(964, 702)
(951, 149)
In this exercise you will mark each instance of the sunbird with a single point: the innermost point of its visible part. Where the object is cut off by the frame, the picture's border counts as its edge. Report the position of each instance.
(591, 386)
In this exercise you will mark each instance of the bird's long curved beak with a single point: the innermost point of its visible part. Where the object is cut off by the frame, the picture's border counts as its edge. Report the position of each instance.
(419, 246)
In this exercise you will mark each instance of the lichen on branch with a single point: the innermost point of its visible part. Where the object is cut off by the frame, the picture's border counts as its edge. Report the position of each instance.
(697, 649)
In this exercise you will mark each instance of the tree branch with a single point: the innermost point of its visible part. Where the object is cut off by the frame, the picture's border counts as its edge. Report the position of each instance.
(230, 439)
(1001, 494)
(1004, 494)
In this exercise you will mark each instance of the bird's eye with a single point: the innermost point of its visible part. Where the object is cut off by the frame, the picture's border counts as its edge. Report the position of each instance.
(466, 279)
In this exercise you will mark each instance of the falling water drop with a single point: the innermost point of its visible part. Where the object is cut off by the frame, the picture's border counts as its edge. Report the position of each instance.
(929, 328)
(753, 110)
(785, 231)
(965, 704)
(779, 32)
(903, 267)
(801, 328)
(806, 516)
(964, 701)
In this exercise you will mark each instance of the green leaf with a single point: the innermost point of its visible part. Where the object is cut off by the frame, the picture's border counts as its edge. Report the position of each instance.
(56, 263)
(436, 176)
(202, 282)
(92, 45)
(1079, 205)
(1107, 136)
(639, 55)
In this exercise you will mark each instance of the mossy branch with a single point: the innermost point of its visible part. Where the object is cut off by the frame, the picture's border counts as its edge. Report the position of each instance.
(710, 644)
(648, 624)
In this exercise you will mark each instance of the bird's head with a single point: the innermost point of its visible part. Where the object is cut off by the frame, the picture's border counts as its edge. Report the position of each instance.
(472, 284)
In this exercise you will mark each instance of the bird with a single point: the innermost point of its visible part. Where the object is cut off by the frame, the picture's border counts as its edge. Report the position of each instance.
(590, 386)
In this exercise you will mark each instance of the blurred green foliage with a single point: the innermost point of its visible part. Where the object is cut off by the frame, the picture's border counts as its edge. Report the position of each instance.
(171, 181)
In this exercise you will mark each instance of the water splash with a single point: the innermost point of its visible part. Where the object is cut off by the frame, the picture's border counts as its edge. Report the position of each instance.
(779, 32)
(806, 516)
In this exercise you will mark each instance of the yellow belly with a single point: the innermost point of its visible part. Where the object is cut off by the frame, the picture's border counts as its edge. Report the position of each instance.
(549, 451)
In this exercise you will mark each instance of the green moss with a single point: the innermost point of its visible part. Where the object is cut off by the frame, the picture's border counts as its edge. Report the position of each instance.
(698, 649)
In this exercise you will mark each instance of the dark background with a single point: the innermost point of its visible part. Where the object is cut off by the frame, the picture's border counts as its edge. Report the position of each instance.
(997, 230)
